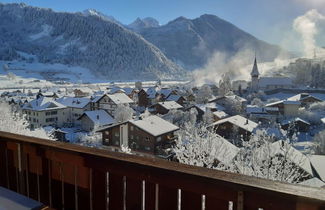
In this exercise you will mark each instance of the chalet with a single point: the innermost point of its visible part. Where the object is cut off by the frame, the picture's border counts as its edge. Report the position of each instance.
(297, 124)
(235, 125)
(109, 102)
(177, 98)
(75, 108)
(149, 135)
(44, 111)
(143, 100)
(165, 107)
(215, 108)
(305, 99)
(97, 118)
(286, 107)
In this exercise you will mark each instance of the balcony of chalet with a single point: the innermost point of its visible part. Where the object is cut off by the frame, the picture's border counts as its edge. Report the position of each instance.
(66, 176)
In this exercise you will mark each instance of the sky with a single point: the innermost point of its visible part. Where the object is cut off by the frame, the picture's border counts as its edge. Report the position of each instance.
(268, 20)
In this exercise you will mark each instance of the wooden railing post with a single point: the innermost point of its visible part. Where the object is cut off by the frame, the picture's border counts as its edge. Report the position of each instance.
(240, 200)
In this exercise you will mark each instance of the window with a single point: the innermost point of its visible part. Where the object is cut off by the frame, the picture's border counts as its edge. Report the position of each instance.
(131, 137)
(137, 137)
(106, 141)
(116, 134)
(106, 132)
(147, 138)
(159, 139)
(131, 128)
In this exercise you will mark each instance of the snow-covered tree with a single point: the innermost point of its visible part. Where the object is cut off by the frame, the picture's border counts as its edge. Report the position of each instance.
(203, 94)
(257, 102)
(123, 113)
(181, 118)
(196, 145)
(260, 156)
(208, 117)
(319, 141)
(224, 85)
(14, 122)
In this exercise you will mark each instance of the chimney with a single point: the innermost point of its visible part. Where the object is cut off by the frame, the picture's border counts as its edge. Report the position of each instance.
(246, 121)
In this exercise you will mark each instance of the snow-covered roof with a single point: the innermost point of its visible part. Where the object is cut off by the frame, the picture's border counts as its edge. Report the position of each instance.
(169, 105)
(284, 102)
(282, 148)
(302, 96)
(318, 163)
(120, 98)
(173, 97)
(323, 120)
(165, 91)
(74, 102)
(239, 121)
(211, 105)
(220, 114)
(223, 150)
(155, 125)
(288, 121)
(273, 81)
(96, 98)
(42, 104)
(254, 109)
(152, 91)
(313, 182)
(237, 98)
(99, 117)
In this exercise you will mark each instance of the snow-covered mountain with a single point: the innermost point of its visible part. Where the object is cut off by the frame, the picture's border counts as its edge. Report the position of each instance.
(93, 12)
(191, 42)
(144, 23)
(108, 49)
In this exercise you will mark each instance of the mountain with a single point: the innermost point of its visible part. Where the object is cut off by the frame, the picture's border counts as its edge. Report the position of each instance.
(108, 49)
(191, 42)
(144, 23)
(93, 12)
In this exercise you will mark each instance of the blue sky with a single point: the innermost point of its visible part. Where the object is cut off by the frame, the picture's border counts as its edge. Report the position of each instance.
(266, 19)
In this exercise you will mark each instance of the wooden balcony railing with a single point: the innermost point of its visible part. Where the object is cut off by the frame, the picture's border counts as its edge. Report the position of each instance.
(67, 176)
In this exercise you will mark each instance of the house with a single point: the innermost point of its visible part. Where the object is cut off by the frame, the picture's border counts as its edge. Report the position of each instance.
(143, 100)
(281, 149)
(234, 102)
(75, 108)
(213, 107)
(97, 118)
(267, 83)
(165, 107)
(234, 128)
(261, 114)
(44, 111)
(297, 124)
(177, 98)
(80, 93)
(305, 99)
(150, 135)
(286, 107)
(109, 102)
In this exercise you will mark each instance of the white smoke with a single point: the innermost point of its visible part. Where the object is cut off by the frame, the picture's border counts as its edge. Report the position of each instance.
(306, 26)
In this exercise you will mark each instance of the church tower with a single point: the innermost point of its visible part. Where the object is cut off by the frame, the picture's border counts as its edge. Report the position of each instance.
(254, 77)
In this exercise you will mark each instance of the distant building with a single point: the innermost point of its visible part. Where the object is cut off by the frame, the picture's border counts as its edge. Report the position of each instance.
(165, 107)
(97, 118)
(267, 83)
(148, 135)
(44, 111)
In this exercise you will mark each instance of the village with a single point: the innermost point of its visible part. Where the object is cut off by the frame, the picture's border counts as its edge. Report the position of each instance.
(152, 120)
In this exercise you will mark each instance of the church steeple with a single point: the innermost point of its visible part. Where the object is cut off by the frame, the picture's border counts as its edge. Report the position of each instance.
(255, 72)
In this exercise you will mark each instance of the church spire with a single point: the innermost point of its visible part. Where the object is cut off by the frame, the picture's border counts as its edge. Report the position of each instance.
(255, 72)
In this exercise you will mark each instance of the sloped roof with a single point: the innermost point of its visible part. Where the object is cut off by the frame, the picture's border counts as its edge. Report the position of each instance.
(255, 72)
(318, 162)
(268, 81)
(170, 105)
(284, 102)
(282, 148)
(74, 102)
(302, 96)
(220, 114)
(239, 121)
(173, 97)
(313, 182)
(120, 98)
(155, 125)
(99, 117)
(42, 104)
(288, 121)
